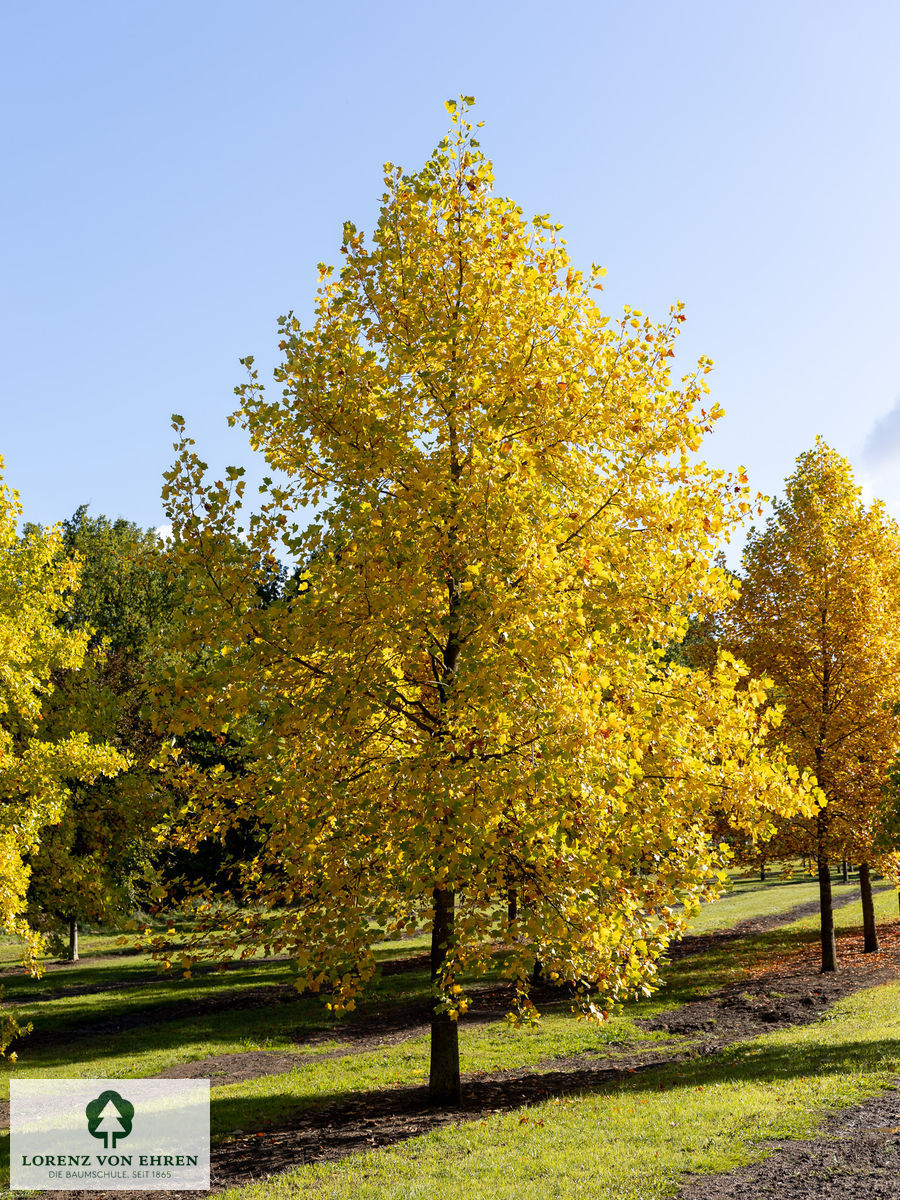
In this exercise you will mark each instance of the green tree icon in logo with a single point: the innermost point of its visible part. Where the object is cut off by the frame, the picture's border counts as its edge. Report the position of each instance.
(109, 1116)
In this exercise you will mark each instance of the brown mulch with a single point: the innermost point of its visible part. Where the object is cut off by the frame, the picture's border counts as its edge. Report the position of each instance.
(793, 993)
(858, 1155)
(256, 997)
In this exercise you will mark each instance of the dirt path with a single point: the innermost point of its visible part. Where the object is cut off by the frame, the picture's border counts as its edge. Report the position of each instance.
(394, 1020)
(795, 993)
(177, 1010)
(856, 1158)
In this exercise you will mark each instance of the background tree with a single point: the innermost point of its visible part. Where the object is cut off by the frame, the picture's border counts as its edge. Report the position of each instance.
(469, 694)
(818, 612)
(215, 857)
(85, 867)
(37, 583)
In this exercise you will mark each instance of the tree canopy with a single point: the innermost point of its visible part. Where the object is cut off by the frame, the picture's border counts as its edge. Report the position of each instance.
(818, 611)
(36, 769)
(469, 692)
(85, 868)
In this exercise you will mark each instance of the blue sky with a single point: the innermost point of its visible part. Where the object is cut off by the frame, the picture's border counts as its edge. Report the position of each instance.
(174, 172)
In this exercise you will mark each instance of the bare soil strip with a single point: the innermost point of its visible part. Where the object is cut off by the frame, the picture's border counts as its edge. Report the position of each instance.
(332, 1129)
(164, 1011)
(793, 992)
(394, 1020)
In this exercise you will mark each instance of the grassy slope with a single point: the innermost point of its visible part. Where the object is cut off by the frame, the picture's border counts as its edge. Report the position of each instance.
(749, 898)
(268, 1101)
(150, 1048)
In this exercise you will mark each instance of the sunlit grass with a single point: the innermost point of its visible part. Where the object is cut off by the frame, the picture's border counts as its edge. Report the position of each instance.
(743, 905)
(632, 1141)
(127, 985)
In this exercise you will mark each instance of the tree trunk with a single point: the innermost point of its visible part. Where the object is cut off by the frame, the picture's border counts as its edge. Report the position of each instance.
(762, 874)
(829, 949)
(870, 932)
(443, 1079)
(512, 905)
(73, 940)
(845, 872)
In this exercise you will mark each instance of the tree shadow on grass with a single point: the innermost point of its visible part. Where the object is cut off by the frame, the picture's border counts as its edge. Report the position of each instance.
(134, 1023)
(398, 1006)
(270, 1133)
(288, 1134)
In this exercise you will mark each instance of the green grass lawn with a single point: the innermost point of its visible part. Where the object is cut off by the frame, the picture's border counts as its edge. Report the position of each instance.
(695, 1117)
(632, 1142)
(749, 898)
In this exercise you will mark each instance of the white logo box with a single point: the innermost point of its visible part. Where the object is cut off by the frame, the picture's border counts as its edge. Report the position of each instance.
(109, 1134)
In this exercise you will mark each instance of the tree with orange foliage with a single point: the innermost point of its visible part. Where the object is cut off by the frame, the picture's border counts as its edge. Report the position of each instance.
(818, 613)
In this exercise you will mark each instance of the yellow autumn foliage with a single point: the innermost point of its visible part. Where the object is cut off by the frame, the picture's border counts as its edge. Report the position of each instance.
(819, 611)
(493, 492)
(35, 772)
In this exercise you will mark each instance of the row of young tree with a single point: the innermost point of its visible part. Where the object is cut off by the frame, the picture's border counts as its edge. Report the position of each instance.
(503, 692)
(819, 612)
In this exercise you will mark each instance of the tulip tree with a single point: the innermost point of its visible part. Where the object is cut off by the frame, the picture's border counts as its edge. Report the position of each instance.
(467, 693)
(36, 770)
(819, 610)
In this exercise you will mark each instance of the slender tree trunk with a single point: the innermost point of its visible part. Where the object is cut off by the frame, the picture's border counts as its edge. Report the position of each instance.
(73, 940)
(512, 905)
(762, 874)
(845, 872)
(870, 932)
(443, 1079)
(829, 949)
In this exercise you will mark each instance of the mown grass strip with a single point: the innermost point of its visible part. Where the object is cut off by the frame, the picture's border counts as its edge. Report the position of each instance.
(750, 899)
(270, 1100)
